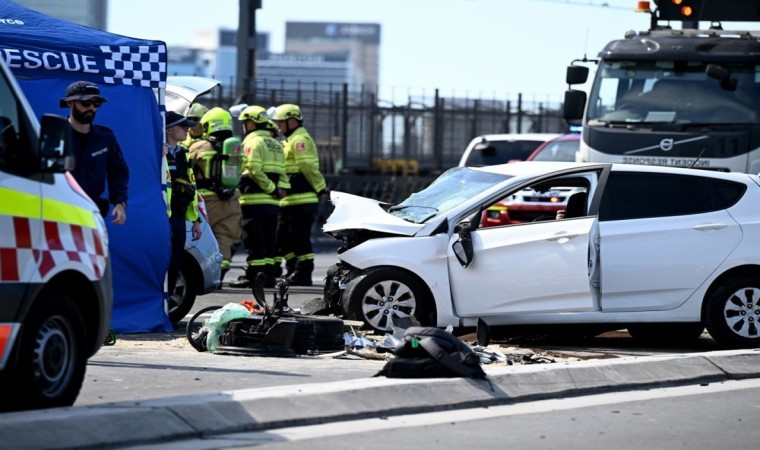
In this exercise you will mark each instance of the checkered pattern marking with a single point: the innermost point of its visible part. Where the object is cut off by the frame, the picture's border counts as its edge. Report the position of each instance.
(59, 245)
(135, 66)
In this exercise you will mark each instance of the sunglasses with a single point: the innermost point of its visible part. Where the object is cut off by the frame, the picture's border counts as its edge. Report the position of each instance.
(88, 103)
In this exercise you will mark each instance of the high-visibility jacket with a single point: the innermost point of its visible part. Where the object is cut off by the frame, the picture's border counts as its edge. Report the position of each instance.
(181, 191)
(263, 169)
(207, 166)
(302, 167)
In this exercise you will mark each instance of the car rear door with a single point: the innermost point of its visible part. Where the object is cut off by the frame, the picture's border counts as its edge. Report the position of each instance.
(661, 236)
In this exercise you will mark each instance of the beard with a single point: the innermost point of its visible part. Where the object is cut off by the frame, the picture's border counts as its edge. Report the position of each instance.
(83, 117)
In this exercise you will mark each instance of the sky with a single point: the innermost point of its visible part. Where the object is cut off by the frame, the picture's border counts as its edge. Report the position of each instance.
(476, 48)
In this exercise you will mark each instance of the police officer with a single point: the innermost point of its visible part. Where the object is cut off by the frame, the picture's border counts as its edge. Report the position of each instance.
(298, 209)
(182, 196)
(262, 185)
(222, 204)
(194, 114)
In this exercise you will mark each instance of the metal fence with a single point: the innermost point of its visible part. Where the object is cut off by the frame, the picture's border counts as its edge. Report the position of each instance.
(359, 133)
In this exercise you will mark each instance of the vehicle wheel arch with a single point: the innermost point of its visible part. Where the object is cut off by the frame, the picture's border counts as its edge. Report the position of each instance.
(75, 285)
(746, 270)
(197, 274)
(429, 299)
(724, 308)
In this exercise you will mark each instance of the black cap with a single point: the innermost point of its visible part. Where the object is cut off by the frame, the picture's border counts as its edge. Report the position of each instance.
(82, 90)
(174, 119)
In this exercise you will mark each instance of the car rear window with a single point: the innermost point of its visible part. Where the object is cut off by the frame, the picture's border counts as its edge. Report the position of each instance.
(630, 195)
(500, 152)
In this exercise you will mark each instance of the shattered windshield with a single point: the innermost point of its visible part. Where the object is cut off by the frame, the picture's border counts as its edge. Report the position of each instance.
(449, 190)
(679, 92)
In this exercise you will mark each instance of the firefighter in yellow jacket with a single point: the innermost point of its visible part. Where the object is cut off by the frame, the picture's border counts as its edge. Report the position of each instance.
(195, 134)
(222, 200)
(262, 185)
(298, 209)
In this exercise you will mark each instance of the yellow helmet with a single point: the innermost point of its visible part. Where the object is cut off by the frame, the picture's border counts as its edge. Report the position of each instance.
(216, 119)
(196, 110)
(271, 126)
(254, 113)
(287, 111)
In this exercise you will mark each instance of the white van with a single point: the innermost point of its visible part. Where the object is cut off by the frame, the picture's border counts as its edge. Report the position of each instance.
(490, 149)
(55, 279)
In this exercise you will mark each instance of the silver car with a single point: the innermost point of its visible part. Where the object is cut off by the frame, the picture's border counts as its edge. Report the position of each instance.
(200, 272)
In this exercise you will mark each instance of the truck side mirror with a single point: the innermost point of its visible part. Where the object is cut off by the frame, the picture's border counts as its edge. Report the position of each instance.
(575, 101)
(576, 74)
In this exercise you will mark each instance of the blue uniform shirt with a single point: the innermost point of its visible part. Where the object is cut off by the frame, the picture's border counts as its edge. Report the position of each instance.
(99, 158)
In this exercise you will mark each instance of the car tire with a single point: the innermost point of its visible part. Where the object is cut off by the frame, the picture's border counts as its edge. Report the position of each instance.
(733, 313)
(380, 295)
(181, 301)
(666, 333)
(52, 357)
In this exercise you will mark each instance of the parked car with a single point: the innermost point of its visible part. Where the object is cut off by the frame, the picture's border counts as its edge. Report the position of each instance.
(202, 262)
(661, 251)
(563, 148)
(490, 149)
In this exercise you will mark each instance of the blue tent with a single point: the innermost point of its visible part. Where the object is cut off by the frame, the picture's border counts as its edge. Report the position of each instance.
(46, 55)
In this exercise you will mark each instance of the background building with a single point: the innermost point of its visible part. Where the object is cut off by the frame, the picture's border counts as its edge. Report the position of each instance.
(91, 13)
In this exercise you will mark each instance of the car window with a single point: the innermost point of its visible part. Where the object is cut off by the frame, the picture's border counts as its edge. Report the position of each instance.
(728, 192)
(630, 195)
(500, 152)
(16, 144)
(558, 151)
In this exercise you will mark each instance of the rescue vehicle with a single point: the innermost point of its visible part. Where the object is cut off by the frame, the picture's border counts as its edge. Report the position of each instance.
(55, 279)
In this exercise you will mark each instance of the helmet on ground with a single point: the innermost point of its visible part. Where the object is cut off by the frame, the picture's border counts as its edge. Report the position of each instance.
(196, 110)
(216, 119)
(287, 111)
(254, 113)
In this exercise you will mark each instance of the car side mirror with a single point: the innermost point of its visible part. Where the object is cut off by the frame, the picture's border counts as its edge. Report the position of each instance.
(56, 149)
(462, 248)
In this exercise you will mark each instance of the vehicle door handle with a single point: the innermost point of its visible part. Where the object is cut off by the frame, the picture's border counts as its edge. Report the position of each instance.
(710, 226)
(561, 235)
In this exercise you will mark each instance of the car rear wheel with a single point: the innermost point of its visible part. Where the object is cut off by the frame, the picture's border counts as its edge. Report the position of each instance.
(733, 313)
(384, 297)
(52, 357)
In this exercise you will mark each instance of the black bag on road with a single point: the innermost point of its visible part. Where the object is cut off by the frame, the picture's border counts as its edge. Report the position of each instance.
(428, 352)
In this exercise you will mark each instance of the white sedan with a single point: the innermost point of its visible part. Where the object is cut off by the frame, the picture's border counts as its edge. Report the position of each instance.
(664, 252)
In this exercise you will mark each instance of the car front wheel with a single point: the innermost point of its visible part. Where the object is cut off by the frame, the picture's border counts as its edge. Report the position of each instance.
(52, 357)
(384, 297)
(733, 313)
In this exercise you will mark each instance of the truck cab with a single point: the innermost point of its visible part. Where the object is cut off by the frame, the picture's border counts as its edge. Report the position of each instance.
(673, 97)
(55, 279)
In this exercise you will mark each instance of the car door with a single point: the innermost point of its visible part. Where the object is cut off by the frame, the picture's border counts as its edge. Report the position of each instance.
(661, 236)
(527, 268)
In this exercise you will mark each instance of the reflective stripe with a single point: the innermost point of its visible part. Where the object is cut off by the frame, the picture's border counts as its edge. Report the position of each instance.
(8, 333)
(22, 204)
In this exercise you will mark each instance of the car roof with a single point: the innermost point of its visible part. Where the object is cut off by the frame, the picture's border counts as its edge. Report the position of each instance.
(533, 168)
(518, 137)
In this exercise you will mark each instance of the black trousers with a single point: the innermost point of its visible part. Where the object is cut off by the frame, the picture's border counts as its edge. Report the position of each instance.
(294, 229)
(259, 233)
(177, 225)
